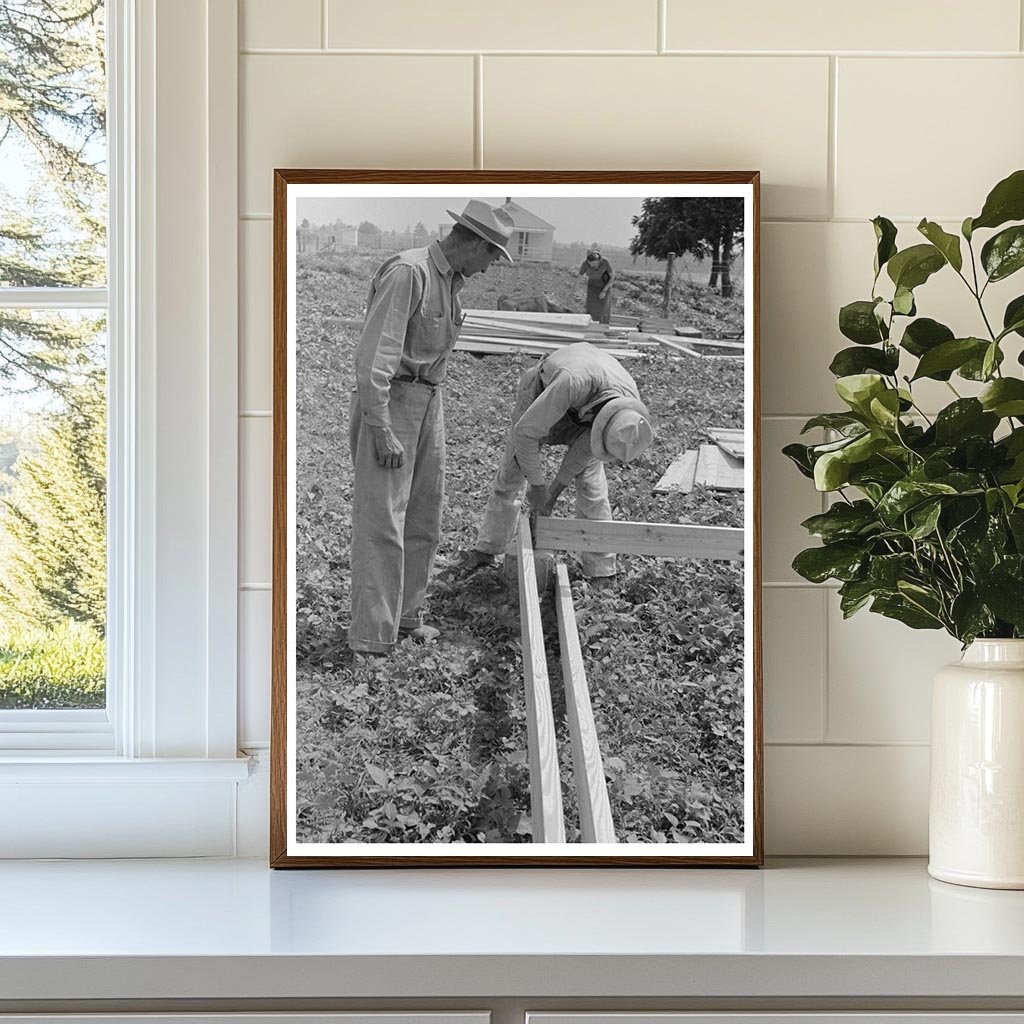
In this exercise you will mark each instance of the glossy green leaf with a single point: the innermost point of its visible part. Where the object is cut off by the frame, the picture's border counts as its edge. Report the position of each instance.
(964, 418)
(850, 361)
(1004, 595)
(843, 521)
(885, 237)
(1004, 397)
(974, 368)
(1005, 202)
(1003, 254)
(903, 302)
(840, 561)
(857, 322)
(923, 335)
(925, 518)
(911, 267)
(799, 455)
(833, 420)
(965, 229)
(947, 244)
(950, 355)
(831, 471)
(971, 617)
(899, 608)
(1013, 317)
(858, 389)
(907, 494)
(885, 409)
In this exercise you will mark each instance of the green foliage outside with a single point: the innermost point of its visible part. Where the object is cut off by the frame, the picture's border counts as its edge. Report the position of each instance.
(928, 522)
(52, 234)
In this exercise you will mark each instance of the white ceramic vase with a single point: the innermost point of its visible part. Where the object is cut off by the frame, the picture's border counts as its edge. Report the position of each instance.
(976, 812)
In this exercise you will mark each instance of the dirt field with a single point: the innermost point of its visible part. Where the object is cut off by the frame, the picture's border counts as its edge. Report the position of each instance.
(429, 745)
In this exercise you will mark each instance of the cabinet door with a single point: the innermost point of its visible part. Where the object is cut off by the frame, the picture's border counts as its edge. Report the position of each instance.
(357, 1017)
(786, 1017)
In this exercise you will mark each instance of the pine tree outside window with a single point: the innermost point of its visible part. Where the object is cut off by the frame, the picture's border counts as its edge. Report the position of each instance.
(53, 368)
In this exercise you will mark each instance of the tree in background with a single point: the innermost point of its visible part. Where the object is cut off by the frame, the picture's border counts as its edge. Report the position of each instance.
(53, 114)
(702, 226)
(53, 530)
(53, 234)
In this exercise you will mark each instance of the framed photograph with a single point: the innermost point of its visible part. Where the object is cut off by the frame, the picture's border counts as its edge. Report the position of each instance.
(516, 612)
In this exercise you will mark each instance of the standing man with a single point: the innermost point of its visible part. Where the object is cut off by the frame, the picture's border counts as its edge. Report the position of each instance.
(397, 424)
(599, 274)
(584, 399)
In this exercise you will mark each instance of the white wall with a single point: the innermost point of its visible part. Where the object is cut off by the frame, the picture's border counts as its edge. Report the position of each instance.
(905, 109)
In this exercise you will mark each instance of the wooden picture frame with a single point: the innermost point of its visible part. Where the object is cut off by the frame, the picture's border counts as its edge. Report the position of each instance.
(322, 826)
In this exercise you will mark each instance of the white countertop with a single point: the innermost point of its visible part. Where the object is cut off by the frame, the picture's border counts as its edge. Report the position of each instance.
(234, 929)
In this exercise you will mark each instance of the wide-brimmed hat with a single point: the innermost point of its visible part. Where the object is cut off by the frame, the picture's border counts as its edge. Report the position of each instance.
(489, 222)
(622, 430)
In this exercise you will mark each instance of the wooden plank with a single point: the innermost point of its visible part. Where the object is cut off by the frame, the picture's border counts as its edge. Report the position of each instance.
(718, 470)
(532, 330)
(664, 540)
(510, 314)
(546, 816)
(732, 442)
(673, 345)
(711, 343)
(680, 474)
(591, 786)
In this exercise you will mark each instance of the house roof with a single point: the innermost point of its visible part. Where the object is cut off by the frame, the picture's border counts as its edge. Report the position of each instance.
(522, 218)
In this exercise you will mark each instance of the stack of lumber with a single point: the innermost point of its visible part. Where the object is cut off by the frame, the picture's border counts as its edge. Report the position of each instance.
(653, 325)
(492, 331)
(718, 465)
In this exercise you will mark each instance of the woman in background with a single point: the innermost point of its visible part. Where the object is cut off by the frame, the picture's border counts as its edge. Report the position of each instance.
(599, 274)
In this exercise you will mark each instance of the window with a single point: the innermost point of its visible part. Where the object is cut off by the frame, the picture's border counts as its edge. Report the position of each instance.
(53, 369)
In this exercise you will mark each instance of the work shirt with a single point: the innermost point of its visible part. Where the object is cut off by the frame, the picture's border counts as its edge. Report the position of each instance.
(412, 320)
(573, 383)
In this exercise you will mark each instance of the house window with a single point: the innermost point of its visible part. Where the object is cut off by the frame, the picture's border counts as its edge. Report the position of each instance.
(53, 370)
(524, 243)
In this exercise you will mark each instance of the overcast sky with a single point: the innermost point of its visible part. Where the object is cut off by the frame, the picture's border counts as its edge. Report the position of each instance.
(605, 221)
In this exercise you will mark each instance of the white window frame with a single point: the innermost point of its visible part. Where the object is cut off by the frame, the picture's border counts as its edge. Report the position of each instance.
(170, 730)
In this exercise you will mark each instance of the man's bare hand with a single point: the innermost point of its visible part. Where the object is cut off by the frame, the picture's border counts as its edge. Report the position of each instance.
(390, 453)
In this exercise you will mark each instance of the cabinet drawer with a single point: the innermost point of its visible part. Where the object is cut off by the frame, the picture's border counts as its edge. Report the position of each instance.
(356, 1017)
(789, 1017)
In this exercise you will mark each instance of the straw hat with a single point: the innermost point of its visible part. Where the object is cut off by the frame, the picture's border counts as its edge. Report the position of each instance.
(622, 431)
(489, 222)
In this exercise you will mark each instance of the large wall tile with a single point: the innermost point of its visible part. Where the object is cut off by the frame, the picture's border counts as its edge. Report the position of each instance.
(787, 498)
(680, 113)
(809, 271)
(794, 663)
(351, 111)
(254, 613)
(527, 25)
(262, 27)
(869, 25)
(846, 801)
(961, 130)
(256, 303)
(880, 676)
(255, 518)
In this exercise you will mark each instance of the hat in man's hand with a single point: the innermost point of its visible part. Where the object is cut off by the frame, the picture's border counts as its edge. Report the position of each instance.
(622, 431)
(489, 222)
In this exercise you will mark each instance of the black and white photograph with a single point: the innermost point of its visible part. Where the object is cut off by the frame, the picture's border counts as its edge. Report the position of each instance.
(516, 567)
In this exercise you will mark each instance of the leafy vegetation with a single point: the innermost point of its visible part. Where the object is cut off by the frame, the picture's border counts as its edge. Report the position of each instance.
(52, 234)
(928, 525)
(429, 744)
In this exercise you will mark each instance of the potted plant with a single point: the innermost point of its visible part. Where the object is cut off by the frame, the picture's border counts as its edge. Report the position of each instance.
(927, 521)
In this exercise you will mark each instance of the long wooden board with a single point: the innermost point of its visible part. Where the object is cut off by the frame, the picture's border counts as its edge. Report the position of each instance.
(546, 816)
(596, 823)
(680, 474)
(718, 469)
(664, 540)
(581, 319)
